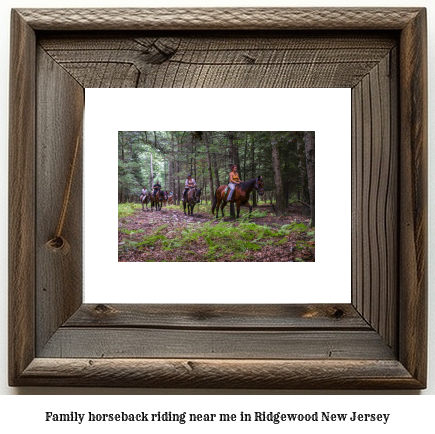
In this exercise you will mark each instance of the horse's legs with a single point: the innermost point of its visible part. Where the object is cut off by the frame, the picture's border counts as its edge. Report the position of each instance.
(246, 203)
(218, 204)
(184, 207)
(238, 208)
(222, 208)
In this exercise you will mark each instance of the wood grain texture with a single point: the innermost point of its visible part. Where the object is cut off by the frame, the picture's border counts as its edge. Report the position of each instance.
(220, 317)
(220, 18)
(376, 198)
(413, 197)
(60, 105)
(236, 60)
(379, 342)
(95, 342)
(228, 374)
(21, 197)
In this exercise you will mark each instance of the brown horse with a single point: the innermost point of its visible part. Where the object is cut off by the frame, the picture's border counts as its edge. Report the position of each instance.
(193, 197)
(146, 200)
(240, 195)
(157, 200)
(165, 198)
(171, 200)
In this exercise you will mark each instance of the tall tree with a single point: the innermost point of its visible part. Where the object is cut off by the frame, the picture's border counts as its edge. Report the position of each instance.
(172, 186)
(310, 157)
(254, 193)
(303, 193)
(210, 172)
(232, 156)
(276, 163)
(151, 173)
(178, 175)
(216, 172)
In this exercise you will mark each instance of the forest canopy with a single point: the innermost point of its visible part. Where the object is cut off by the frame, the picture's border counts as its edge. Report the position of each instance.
(285, 160)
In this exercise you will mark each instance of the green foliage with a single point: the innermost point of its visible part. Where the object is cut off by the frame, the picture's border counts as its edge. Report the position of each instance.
(132, 232)
(126, 209)
(246, 216)
(176, 153)
(221, 238)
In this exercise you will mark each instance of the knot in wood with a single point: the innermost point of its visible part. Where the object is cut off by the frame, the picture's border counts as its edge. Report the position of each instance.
(338, 313)
(103, 309)
(58, 244)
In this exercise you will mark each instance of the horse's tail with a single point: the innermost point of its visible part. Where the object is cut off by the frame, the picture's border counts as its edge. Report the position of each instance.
(214, 201)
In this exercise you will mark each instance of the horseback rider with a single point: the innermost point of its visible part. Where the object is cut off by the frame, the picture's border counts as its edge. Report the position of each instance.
(190, 183)
(156, 188)
(234, 180)
(144, 193)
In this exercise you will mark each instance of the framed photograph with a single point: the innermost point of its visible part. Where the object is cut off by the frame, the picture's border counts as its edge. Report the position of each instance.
(375, 341)
(259, 244)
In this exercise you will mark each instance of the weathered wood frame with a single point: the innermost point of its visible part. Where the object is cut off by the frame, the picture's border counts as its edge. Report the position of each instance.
(377, 341)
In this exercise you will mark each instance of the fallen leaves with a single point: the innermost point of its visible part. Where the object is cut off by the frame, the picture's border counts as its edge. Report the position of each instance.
(170, 222)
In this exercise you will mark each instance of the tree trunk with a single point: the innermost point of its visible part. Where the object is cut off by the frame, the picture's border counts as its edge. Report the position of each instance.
(216, 168)
(178, 174)
(310, 156)
(244, 159)
(204, 186)
(169, 175)
(303, 189)
(232, 153)
(151, 171)
(210, 172)
(164, 176)
(276, 164)
(253, 175)
(173, 166)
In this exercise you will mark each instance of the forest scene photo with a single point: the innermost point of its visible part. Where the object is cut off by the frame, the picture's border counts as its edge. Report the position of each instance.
(207, 196)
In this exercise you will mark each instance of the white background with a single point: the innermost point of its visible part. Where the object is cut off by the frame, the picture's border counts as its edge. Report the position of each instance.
(411, 413)
(325, 111)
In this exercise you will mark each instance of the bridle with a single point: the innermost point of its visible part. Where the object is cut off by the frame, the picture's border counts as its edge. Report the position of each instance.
(256, 186)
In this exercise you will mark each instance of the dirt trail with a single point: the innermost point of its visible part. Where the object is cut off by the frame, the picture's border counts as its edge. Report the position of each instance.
(172, 220)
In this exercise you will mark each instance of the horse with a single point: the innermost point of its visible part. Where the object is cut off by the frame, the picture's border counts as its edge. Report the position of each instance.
(193, 197)
(171, 200)
(146, 199)
(240, 195)
(157, 200)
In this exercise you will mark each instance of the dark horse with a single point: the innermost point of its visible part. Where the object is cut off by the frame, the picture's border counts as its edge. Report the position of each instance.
(146, 200)
(193, 197)
(240, 195)
(157, 200)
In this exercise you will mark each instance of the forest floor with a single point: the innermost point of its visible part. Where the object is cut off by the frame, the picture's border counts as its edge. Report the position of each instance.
(169, 235)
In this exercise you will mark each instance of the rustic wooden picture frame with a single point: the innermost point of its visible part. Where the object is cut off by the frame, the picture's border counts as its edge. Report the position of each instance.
(377, 341)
